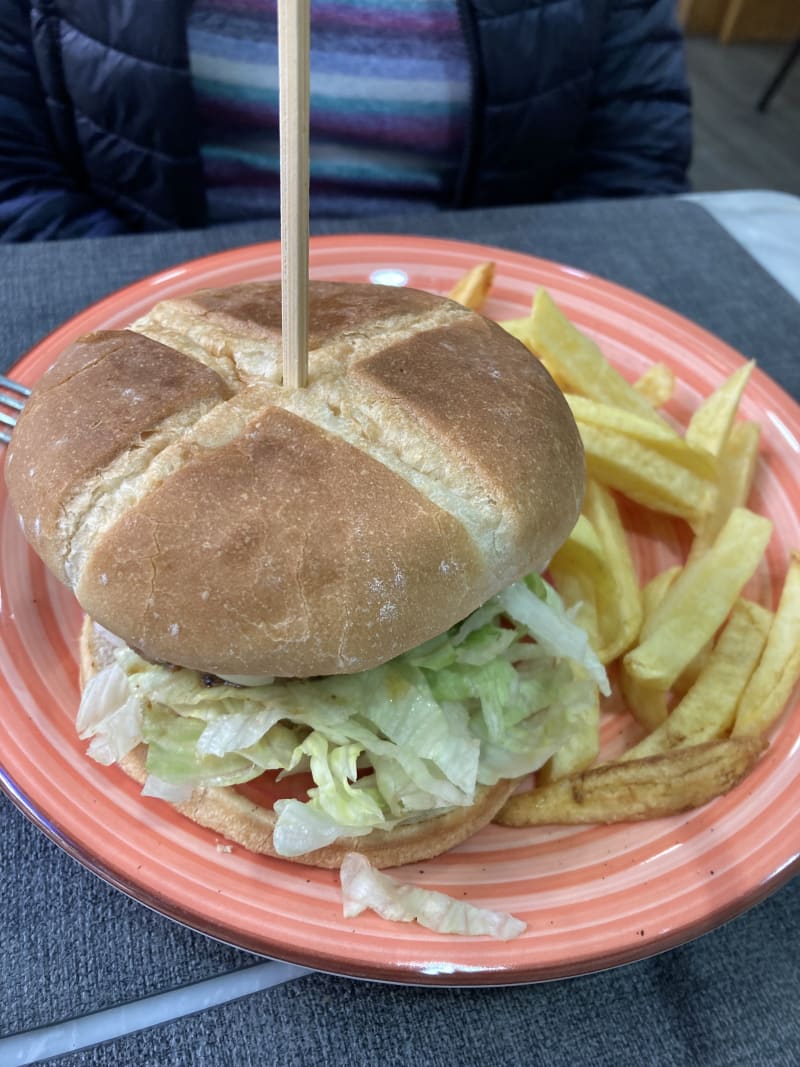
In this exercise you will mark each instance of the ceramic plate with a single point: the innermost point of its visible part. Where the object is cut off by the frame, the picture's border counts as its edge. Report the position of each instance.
(592, 897)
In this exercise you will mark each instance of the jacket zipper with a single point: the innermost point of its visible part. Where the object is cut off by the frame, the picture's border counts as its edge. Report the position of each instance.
(465, 177)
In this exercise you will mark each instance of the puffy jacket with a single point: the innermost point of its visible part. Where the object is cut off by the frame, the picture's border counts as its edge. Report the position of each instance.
(571, 98)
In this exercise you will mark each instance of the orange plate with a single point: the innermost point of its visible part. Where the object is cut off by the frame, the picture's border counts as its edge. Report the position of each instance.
(592, 897)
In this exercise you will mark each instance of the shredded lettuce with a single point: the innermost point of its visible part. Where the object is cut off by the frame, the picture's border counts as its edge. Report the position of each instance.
(364, 887)
(302, 828)
(336, 790)
(111, 715)
(492, 698)
(554, 630)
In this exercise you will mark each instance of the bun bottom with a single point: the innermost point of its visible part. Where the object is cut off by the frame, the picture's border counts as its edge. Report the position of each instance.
(235, 817)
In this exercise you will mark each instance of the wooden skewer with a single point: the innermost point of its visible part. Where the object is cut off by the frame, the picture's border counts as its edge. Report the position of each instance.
(293, 68)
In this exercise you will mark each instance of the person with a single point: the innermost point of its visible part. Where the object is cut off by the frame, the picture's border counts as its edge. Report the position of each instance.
(117, 116)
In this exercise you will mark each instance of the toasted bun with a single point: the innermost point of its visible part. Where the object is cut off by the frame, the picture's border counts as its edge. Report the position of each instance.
(233, 816)
(212, 518)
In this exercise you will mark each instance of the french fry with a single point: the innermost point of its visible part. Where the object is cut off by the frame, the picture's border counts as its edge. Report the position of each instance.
(583, 554)
(595, 565)
(575, 359)
(712, 670)
(647, 704)
(733, 558)
(577, 592)
(522, 329)
(645, 476)
(472, 288)
(736, 471)
(648, 788)
(656, 385)
(779, 668)
(711, 423)
(707, 711)
(699, 601)
(619, 610)
(656, 589)
(583, 549)
(692, 671)
(661, 439)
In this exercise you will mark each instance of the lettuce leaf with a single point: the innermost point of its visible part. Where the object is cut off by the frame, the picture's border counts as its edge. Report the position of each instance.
(364, 887)
(492, 698)
(109, 714)
(302, 828)
(551, 626)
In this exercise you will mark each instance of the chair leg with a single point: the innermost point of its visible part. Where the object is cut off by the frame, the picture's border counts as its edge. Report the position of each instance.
(780, 76)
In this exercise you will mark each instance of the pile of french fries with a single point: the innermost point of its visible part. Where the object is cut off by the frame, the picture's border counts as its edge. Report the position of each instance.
(703, 670)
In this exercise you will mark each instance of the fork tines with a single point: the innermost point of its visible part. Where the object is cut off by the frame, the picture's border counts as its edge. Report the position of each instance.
(12, 402)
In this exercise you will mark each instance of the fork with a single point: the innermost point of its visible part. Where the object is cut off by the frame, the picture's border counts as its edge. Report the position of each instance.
(8, 386)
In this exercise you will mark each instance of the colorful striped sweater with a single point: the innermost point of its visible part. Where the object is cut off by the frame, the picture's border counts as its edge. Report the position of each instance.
(389, 104)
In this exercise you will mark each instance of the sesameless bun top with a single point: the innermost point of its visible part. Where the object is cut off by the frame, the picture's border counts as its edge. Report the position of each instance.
(212, 518)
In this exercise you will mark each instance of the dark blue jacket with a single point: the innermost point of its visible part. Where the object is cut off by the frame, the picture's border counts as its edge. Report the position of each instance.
(571, 98)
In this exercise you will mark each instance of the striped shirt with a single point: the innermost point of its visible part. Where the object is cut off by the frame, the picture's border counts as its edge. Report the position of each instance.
(389, 104)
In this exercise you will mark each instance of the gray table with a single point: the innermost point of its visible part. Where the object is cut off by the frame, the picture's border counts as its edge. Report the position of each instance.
(71, 945)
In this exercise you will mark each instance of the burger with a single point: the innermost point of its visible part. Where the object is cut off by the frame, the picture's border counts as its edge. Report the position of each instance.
(335, 590)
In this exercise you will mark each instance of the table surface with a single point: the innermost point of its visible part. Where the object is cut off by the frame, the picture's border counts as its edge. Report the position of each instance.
(70, 945)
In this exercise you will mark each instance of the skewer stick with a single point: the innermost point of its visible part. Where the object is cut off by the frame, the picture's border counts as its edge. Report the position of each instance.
(293, 67)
